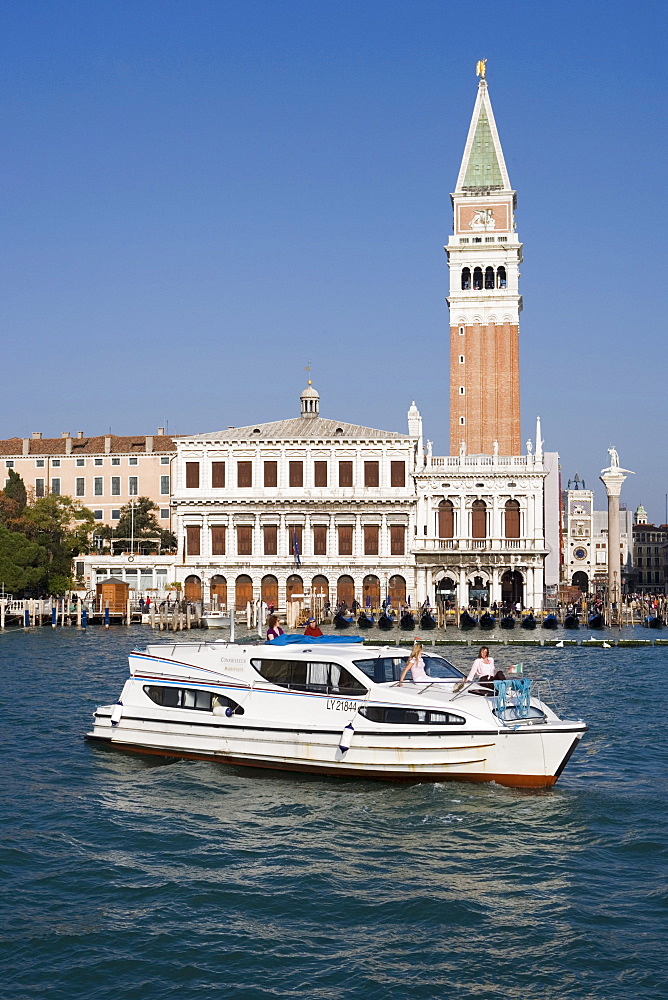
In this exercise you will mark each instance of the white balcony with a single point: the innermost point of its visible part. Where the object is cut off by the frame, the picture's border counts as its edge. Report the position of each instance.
(477, 545)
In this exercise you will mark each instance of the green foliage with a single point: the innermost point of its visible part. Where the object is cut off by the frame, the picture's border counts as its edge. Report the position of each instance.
(22, 562)
(138, 524)
(13, 501)
(15, 489)
(62, 526)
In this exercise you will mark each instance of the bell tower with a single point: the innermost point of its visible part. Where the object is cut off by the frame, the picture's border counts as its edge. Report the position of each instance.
(484, 255)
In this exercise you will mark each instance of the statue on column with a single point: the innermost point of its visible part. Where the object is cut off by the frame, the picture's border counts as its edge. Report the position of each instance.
(495, 449)
(614, 457)
(462, 450)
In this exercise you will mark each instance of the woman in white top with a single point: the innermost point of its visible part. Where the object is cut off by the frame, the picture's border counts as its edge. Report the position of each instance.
(416, 665)
(483, 668)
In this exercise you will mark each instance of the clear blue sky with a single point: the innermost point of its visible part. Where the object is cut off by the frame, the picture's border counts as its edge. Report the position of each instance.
(198, 198)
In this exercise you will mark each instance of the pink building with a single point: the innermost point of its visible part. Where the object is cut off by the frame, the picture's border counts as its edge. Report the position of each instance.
(103, 472)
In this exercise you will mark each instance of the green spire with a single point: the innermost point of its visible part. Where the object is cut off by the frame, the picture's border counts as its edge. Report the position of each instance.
(483, 170)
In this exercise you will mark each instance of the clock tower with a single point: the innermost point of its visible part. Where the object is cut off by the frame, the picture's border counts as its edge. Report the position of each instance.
(484, 255)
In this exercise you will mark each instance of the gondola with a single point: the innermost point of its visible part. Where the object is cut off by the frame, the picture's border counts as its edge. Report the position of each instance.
(507, 622)
(595, 621)
(550, 621)
(427, 620)
(487, 621)
(528, 622)
(467, 621)
(653, 622)
(342, 621)
(385, 622)
(365, 620)
(571, 621)
(407, 621)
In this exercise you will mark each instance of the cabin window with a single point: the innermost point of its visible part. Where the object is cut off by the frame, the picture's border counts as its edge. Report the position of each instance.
(193, 698)
(320, 474)
(501, 280)
(387, 669)
(466, 278)
(304, 675)
(477, 278)
(410, 716)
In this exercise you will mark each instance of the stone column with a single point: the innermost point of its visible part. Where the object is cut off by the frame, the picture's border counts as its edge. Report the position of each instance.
(612, 478)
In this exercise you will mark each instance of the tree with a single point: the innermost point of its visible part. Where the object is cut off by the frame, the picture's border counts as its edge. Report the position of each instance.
(62, 526)
(22, 562)
(138, 524)
(13, 500)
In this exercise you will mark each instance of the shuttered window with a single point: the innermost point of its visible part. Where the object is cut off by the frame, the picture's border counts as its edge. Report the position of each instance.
(446, 519)
(371, 474)
(512, 519)
(244, 539)
(218, 539)
(244, 475)
(398, 473)
(345, 532)
(271, 473)
(319, 540)
(370, 539)
(270, 533)
(218, 475)
(345, 473)
(397, 539)
(479, 519)
(320, 473)
(192, 475)
(193, 539)
(296, 473)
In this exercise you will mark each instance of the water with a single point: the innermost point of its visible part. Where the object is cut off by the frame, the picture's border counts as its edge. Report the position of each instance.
(125, 877)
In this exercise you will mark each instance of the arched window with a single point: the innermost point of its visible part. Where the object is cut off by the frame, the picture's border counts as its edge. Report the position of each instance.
(477, 278)
(479, 519)
(345, 590)
(466, 277)
(511, 587)
(243, 592)
(489, 277)
(446, 519)
(501, 277)
(219, 590)
(371, 592)
(512, 519)
(269, 589)
(320, 585)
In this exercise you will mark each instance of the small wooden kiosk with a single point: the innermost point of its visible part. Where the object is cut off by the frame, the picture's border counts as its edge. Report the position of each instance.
(112, 594)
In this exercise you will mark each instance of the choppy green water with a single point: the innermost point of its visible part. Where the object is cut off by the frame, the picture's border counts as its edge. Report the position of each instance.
(130, 878)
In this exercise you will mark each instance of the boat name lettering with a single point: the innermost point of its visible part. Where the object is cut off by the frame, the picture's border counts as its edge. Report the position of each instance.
(336, 705)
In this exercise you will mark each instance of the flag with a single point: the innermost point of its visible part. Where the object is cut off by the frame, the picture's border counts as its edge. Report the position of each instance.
(295, 546)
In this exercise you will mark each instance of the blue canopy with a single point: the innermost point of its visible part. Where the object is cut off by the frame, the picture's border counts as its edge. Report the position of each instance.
(313, 640)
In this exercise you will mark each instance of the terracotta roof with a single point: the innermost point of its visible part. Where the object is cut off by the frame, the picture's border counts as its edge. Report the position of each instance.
(305, 428)
(134, 445)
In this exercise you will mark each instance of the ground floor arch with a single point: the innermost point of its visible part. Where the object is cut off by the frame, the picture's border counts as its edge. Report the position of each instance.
(269, 590)
(371, 591)
(218, 590)
(581, 581)
(478, 591)
(396, 590)
(320, 587)
(445, 590)
(294, 585)
(192, 588)
(512, 587)
(243, 592)
(345, 590)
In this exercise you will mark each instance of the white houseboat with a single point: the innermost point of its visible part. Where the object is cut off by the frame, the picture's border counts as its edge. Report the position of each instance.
(334, 708)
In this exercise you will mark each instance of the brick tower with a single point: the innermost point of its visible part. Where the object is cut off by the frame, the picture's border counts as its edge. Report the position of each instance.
(484, 255)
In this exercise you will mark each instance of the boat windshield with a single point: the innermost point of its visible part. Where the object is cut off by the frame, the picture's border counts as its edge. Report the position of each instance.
(385, 669)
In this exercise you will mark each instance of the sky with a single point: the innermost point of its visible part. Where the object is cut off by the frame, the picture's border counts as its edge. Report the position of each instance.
(199, 199)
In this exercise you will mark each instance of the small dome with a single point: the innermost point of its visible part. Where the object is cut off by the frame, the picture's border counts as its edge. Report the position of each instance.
(310, 400)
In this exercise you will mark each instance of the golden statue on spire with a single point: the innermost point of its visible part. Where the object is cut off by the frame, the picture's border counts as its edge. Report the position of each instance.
(481, 68)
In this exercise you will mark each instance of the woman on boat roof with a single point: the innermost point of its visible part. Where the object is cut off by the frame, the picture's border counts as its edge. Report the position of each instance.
(483, 668)
(273, 628)
(312, 629)
(416, 665)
